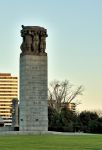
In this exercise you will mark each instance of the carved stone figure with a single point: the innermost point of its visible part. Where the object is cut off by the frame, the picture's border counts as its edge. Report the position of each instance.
(28, 42)
(34, 40)
(43, 44)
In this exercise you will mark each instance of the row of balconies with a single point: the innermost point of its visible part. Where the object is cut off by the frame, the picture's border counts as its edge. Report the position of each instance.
(8, 77)
(8, 96)
(6, 115)
(5, 107)
(5, 110)
(9, 91)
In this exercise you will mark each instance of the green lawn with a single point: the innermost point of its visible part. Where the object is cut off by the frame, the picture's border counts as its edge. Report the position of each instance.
(51, 142)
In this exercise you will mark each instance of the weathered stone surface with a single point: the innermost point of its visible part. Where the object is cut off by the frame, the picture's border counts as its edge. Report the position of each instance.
(33, 93)
(34, 40)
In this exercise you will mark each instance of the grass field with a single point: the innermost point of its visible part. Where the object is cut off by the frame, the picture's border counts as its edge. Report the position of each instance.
(51, 142)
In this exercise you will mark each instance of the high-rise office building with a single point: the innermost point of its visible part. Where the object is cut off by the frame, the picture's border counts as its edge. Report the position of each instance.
(8, 91)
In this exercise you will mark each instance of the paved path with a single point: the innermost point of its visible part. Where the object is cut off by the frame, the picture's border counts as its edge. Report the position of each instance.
(41, 132)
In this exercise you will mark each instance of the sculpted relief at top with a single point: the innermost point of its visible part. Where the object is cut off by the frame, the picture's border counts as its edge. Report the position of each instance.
(34, 40)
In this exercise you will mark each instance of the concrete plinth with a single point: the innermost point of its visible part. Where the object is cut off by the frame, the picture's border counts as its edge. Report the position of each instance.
(33, 93)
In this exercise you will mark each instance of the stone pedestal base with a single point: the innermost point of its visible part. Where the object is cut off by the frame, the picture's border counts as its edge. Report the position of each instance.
(33, 93)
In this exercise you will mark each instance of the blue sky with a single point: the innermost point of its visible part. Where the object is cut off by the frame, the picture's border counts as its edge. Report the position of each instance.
(74, 43)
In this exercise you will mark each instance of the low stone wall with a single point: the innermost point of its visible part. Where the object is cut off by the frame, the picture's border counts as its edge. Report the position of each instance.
(22, 133)
(4, 133)
(6, 128)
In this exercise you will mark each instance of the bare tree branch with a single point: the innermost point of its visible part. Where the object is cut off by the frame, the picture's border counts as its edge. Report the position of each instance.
(62, 92)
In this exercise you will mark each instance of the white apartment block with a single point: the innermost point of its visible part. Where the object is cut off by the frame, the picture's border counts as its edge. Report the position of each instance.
(8, 91)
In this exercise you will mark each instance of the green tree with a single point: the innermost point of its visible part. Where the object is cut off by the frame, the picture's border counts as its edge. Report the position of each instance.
(54, 119)
(96, 125)
(86, 118)
(68, 119)
(63, 121)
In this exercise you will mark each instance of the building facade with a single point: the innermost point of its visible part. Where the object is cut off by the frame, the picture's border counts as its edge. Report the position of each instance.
(8, 91)
(70, 106)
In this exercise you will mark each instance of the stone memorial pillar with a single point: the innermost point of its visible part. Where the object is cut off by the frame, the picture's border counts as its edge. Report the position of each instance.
(33, 80)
